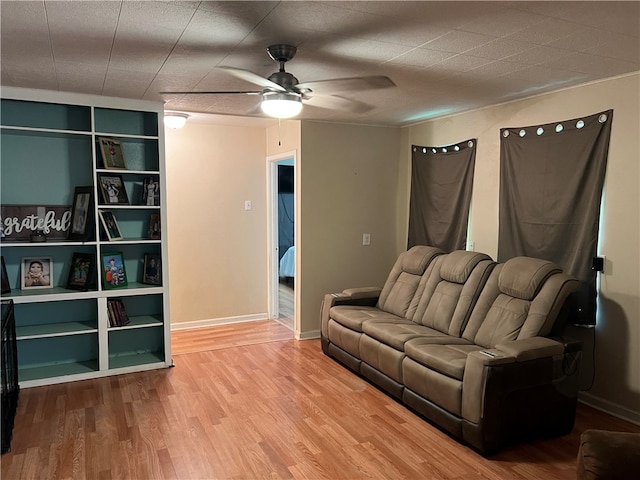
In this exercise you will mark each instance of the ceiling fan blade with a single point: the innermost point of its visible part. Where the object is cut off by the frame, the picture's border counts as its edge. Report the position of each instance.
(347, 84)
(212, 93)
(253, 78)
(334, 102)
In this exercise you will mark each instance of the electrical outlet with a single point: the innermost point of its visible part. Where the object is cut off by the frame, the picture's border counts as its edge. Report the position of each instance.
(366, 239)
(247, 204)
(471, 246)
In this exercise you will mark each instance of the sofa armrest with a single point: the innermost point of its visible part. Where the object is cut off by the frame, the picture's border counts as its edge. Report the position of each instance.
(350, 296)
(520, 363)
(530, 348)
(475, 378)
(528, 386)
(359, 293)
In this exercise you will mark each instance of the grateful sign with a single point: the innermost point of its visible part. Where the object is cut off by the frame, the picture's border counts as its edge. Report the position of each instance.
(18, 222)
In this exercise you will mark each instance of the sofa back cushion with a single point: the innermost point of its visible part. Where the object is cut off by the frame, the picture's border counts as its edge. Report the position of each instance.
(521, 299)
(449, 290)
(404, 278)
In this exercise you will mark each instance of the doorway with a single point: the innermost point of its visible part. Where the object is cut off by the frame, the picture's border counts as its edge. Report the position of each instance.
(282, 238)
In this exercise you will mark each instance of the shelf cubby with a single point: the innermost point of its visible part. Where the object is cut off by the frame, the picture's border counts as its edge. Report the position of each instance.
(57, 356)
(126, 122)
(43, 168)
(135, 346)
(44, 115)
(42, 319)
(61, 254)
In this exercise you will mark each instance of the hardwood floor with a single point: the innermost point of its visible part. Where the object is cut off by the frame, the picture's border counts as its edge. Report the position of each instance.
(286, 304)
(254, 405)
(226, 336)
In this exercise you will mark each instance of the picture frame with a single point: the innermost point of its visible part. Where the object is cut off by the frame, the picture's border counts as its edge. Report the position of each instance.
(81, 228)
(82, 271)
(154, 226)
(151, 192)
(36, 273)
(114, 274)
(110, 225)
(112, 153)
(152, 272)
(6, 286)
(113, 190)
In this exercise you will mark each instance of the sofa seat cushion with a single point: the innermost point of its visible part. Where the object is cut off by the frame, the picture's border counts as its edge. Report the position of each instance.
(442, 390)
(448, 360)
(345, 338)
(353, 316)
(396, 334)
(382, 357)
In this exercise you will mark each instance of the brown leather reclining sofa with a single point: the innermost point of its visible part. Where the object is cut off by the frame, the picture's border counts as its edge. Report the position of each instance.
(465, 342)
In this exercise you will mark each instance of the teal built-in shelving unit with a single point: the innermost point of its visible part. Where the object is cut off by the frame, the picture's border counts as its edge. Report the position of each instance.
(49, 146)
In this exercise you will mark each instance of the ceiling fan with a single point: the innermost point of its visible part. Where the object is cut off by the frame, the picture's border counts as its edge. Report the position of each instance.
(283, 96)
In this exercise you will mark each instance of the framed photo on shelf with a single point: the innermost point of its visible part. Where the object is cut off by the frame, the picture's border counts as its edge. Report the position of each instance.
(6, 286)
(151, 192)
(110, 225)
(82, 271)
(152, 273)
(112, 189)
(114, 274)
(112, 154)
(37, 272)
(154, 226)
(81, 214)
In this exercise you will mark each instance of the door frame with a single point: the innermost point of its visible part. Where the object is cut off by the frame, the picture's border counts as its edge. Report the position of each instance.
(272, 234)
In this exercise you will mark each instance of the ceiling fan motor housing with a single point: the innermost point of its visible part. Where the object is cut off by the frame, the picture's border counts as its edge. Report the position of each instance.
(284, 79)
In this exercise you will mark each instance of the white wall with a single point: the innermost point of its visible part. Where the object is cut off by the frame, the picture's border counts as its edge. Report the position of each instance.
(616, 387)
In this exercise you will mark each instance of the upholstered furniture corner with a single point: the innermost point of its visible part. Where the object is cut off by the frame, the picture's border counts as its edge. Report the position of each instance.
(465, 342)
(607, 455)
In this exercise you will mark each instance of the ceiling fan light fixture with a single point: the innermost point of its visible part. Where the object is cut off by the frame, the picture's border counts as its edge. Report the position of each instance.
(175, 119)
(281, 104)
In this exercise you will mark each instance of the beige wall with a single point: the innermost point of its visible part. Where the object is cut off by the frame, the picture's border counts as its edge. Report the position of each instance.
(218, 254)
(283, 138)
(348, 187)
(617, 335)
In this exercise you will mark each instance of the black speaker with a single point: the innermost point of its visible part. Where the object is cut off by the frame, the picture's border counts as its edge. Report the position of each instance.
(597, 264)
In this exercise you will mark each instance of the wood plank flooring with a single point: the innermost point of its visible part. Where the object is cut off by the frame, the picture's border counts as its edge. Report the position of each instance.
(227, 336)
(286, 305)
(248, 409)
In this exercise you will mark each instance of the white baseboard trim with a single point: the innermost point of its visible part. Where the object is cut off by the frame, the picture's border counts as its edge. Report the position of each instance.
(310, 335)
(211, 322)
(609, 407)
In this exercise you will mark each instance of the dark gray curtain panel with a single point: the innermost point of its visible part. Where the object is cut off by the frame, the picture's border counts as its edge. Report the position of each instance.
(441, 184)
(551, 180)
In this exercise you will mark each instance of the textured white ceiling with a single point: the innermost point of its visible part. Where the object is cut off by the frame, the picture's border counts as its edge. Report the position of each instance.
(444, 57)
